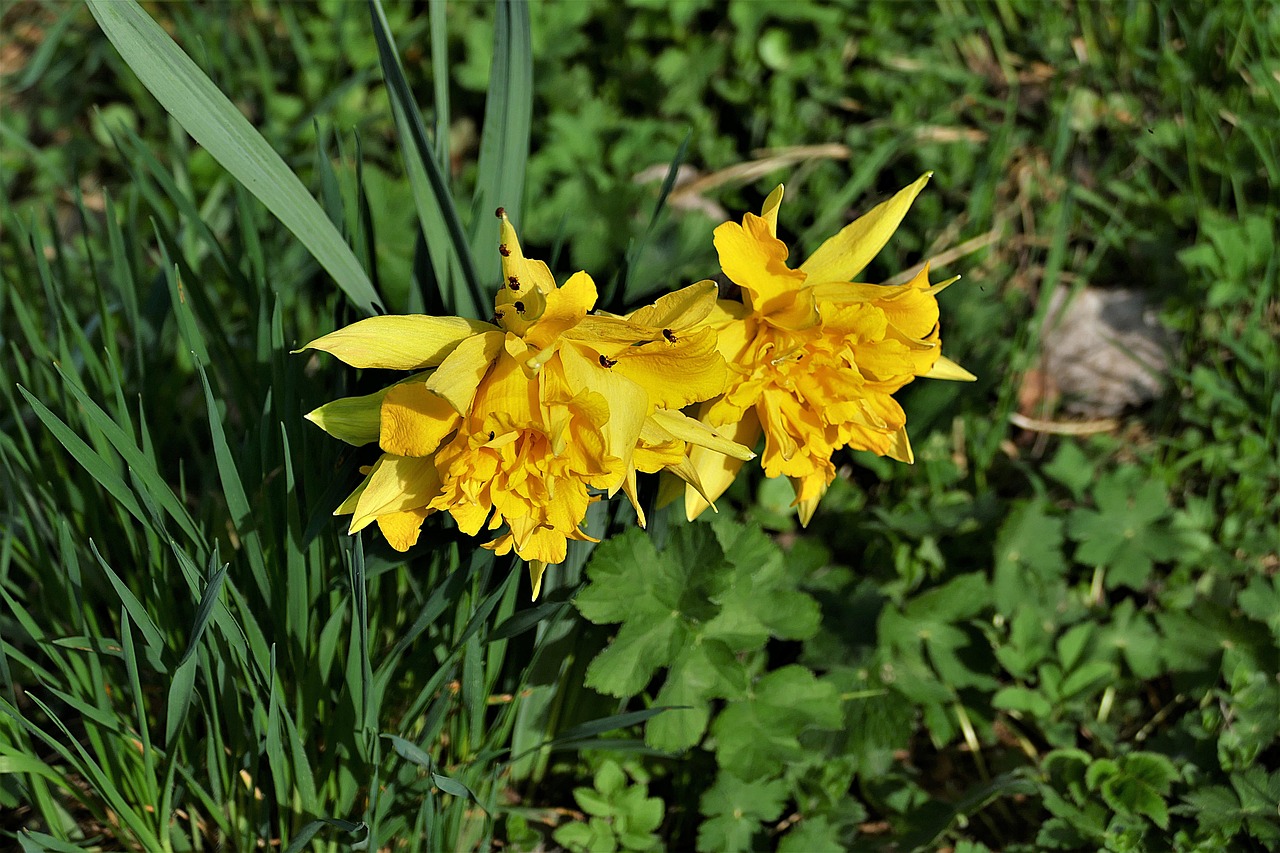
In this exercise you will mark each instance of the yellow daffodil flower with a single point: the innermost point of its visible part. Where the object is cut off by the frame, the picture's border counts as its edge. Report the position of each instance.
(517, 420)
(815, 357)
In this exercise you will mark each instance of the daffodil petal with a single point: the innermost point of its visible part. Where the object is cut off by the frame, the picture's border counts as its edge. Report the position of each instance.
(679, 310)
(846, 254)
(676, 372)
(628, 402)
(755, 260)
(717, 471)
(633, 495)
(507, 394)
(697, 433)
(348, 504)
(401, 529)
(460, 374)
(945, 368)
(807, 507)
(900, 447)
(537, 569)
(566, 307)
(351, 419)
(414, 420)
(398, 342)
(527, 272)
(396, 484)
(769, 210)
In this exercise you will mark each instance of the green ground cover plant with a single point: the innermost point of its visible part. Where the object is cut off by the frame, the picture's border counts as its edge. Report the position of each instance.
(1034, 638)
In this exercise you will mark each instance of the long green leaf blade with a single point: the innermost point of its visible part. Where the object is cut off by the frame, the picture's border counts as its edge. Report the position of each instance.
(214, 122)
(437, 213)
(504, 143)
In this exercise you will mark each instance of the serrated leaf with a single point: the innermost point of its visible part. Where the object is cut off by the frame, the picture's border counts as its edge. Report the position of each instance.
(756, 735)
(813, 835)
(593, 802)
(657, 597)
(735, 808)
(708, 670)
(1023, 700)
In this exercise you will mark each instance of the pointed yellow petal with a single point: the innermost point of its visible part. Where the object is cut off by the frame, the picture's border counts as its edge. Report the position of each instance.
(628, 402)
(806, 509)
(679, 310)
(900, 448)
(670, 488)
(632, 493)
(527, 273)
(815, 486)
(769, 210)
(398, 342)
(348, 505)
(351, 419)
(697, 433)
(396, 484)
(756, 261)
(566, 306)
(507, 394)
(943, 285)
(606, 328)
(945, 368)
(846, 254)
(537, 569)
(414, 421)
(715, 470)
(401, 529)
(460, 374)
(518, 311)
(676, 371)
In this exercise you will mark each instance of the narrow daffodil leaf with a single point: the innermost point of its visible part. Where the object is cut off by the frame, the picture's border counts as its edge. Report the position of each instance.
(214, 122)
(504, 142)
(846, 254)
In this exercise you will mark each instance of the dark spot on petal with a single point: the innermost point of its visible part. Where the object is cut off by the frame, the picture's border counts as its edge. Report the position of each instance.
(519, 306)
(605, 361)
(513, 282)
(491, 435)
(503, 250)
(669, 335)
(496, 318)
(500, 212)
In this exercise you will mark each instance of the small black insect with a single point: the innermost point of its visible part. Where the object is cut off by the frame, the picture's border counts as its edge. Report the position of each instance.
(519, 306)
(669, 335)
(605, 361)
(503, 250)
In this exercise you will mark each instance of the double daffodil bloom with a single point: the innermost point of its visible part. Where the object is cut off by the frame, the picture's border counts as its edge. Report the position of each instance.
(815, 357)
(515, 421)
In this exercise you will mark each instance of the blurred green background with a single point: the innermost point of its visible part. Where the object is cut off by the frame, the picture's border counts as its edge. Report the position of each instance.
(1093, 596)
